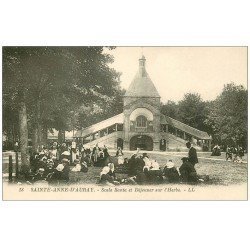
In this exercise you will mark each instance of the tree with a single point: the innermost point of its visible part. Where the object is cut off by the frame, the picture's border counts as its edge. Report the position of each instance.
(101, 110)
(192, 111)
(228, 116)
(47, 85)
(30, 74)
(14, 94)
(170, 109)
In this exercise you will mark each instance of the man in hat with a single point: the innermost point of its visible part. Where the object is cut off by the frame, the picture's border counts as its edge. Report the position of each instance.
(192, 154)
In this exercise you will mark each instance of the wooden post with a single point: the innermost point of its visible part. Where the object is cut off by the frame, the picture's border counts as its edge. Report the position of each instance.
(209, 145)
(17, 170)
(10, 168)
(166, 128)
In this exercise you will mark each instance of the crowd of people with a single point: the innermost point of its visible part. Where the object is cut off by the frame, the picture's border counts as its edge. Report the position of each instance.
(140, 169)
(235, 154)
(54, 164)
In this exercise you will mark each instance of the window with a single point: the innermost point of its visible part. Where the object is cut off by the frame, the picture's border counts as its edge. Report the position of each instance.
(141, 121)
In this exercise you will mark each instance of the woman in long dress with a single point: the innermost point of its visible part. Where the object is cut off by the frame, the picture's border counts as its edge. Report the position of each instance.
(119, 155)
(95, 153)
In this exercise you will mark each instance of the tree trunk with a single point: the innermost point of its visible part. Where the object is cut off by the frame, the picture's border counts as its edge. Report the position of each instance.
(45, 135)
(39, 125)
(23, 130)
(61, 136)
(35, 144)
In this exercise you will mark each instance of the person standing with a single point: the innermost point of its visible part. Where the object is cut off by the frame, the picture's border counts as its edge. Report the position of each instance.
(95, 153)
(192, 154)
(105, 152)
(73, 151)
(119, 155)
(241, 154)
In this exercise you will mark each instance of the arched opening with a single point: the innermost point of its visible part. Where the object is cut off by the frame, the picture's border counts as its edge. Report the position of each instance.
(120, 143)
(163, 145)
(143, 142)
(141, 121)
(141, 111)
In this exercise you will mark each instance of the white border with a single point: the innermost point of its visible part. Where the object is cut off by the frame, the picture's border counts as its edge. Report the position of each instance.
(123, 225)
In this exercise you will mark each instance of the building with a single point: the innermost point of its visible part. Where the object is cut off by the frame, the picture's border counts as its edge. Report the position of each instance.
(141, 125)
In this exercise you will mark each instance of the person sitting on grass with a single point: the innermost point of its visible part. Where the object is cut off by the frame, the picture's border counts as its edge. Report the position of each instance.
(87, 160)
(171, 173)
(141, 175)
(235, 154)
(112, 169)
(34, 162)
(216, 150)
(229, 154)
(132, 166)
(147, 161)
(42, 162)
(76, 169)
(187, 171)
(39, 176)
(125, 164)
(77, 166)
(84, 167)
(241, 154)
(154, 175)
(65, 155)
(106, 178)
(49, 170)
(61, 173)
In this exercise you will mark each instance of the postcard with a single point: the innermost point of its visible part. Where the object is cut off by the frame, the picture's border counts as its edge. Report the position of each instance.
(125, 123)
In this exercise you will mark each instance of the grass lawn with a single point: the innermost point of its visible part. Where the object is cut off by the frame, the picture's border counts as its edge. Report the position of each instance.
(220, 172)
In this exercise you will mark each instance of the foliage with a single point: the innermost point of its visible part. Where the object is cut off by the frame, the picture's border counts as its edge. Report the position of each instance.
(224, 118)
(61, 79)
(170, 109)
(191, 110)
(55, 82)
(228, 116)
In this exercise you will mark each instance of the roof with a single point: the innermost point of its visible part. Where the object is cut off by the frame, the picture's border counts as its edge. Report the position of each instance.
(118, 119)
(186, 128)
(142, 85)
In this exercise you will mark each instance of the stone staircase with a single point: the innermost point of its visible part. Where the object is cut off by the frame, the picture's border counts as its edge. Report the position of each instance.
(175, 143)
(108, 140)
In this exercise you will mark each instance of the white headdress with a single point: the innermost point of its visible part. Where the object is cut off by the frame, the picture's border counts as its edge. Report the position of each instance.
(105, 170)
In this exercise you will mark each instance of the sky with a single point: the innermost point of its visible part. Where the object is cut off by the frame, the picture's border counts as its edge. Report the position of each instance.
(179, 70)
